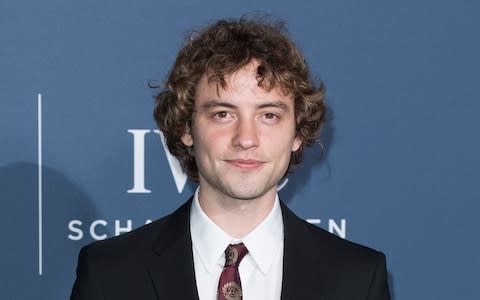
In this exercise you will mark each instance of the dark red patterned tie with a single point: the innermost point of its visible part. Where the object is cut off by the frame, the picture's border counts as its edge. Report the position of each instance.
(229, 286)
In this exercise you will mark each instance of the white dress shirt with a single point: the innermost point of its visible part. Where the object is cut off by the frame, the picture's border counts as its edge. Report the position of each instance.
(260, 270)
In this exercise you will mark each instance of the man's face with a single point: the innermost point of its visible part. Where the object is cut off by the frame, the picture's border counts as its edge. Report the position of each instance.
(242, 136)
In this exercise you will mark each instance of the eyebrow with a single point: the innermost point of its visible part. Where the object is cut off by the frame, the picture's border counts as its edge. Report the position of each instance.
(275, 104)
(215, 103)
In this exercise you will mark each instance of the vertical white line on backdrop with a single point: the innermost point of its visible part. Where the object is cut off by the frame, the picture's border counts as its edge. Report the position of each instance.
(40, 221)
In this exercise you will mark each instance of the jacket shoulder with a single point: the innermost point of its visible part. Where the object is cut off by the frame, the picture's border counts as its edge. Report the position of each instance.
(331, 247)
(119, 267)
(340, 247)
(141, 239)
(335, 268)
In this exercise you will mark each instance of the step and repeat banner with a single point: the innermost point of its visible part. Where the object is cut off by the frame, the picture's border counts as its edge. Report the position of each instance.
(82, 160)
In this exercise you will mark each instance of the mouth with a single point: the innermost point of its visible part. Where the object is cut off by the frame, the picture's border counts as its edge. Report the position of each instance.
(245, 164)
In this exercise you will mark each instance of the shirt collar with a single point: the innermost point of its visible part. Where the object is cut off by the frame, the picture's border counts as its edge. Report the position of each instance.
(266, 240)
(210, 240)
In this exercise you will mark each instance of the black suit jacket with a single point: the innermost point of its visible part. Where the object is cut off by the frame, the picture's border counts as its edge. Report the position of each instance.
(156, 262)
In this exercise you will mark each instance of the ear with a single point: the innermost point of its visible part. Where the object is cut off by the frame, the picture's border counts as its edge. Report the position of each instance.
(297, 142)
(186, 138)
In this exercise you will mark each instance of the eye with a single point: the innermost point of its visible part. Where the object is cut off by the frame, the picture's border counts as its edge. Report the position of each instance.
(270, 116)
(220, 115)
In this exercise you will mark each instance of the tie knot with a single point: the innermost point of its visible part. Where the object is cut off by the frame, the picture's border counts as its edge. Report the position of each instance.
(234, 254)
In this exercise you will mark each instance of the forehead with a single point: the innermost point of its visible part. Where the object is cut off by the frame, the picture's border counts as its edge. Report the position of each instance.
(244, 82)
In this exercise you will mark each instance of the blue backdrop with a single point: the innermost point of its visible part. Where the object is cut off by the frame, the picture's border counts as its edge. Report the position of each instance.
(400, 173)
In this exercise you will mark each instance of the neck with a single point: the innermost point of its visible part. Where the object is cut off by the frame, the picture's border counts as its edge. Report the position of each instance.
(235, 216)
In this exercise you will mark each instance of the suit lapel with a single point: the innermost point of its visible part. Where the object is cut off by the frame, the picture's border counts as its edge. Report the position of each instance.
(172, 269)
(301, 257)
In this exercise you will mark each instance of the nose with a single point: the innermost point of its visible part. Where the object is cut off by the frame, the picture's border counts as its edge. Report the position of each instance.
(246, 135)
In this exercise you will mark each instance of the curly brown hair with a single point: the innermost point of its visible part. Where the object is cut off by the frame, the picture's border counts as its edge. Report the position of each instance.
(221, 49)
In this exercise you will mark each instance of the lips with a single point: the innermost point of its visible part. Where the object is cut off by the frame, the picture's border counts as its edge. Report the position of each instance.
(246, 164)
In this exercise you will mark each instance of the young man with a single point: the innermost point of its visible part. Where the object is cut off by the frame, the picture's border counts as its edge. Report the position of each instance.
(237, 111)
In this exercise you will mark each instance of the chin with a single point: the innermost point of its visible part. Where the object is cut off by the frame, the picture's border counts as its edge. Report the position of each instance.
(246, 193)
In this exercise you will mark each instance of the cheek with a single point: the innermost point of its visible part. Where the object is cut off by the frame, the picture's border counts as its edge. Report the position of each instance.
(278, 146)
(209, 140)
(217, 135)
(281, 141)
